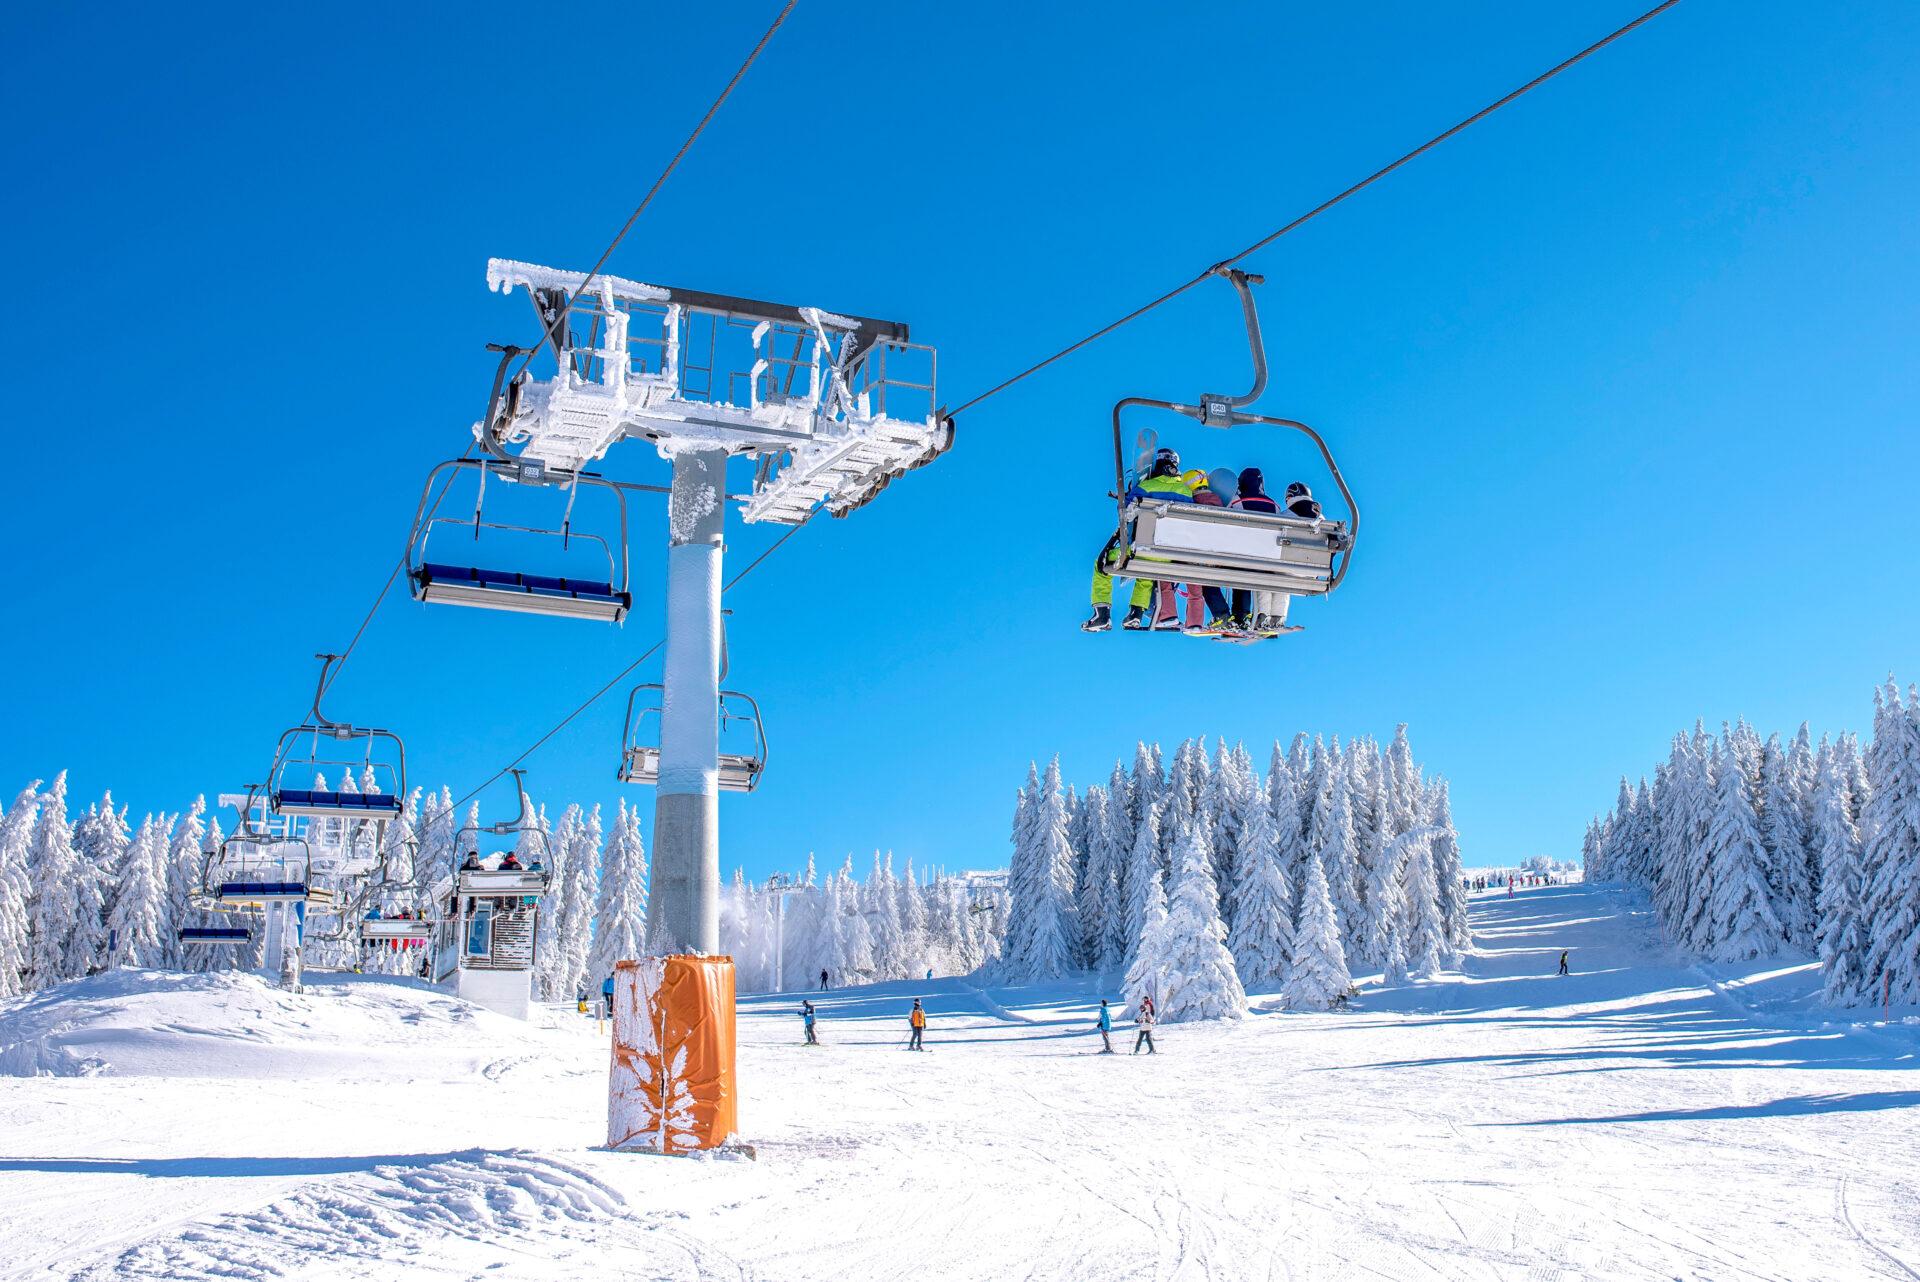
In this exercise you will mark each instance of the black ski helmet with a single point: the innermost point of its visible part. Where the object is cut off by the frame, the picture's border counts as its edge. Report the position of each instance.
(1166, 461)
(1298, 490)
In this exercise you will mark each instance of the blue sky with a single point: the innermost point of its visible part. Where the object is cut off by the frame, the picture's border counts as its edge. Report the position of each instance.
(1623, 379)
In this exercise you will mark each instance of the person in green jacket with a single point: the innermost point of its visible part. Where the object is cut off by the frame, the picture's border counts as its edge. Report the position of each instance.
(1165, 482)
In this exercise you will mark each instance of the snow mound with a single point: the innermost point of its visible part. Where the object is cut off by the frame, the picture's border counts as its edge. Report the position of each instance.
(455, 1208)
(151, 1023)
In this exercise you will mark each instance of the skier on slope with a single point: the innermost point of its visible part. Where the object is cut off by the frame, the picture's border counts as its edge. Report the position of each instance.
(1106, 1028)
(1143, 1020)
(806, 1017)
(823, 981)
(917, 1021)
(1162, 482)
(1563, 961)
(606, 995)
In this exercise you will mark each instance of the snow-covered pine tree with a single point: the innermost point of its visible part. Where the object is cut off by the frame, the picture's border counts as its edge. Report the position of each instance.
(1424, 931)
(16, 890)
(620, 909)
(1198, 976)
(1025, 875)
(1449, 881)
(1741, 903)
(1145, 785)
(881, 907)
(1340, 855)
(1261, 937)
(1047, 942)
(1319, 975)
(856, 960)
(139, 897)
(1383, 902)
(182, 870)
(54, 873)
(1843, 936)
(1783, 831)
(915, 923)
(1890, 851)
(1144, 971)
(1144, 870)
(1103, 910)
(102, 840)
(558, 911)
(1289, 825)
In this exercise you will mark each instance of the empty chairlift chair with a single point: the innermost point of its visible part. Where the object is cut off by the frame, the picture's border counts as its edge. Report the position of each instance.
(198, 936)
(309, 751)
(469, 570)
(1177, 542)
(739, 771)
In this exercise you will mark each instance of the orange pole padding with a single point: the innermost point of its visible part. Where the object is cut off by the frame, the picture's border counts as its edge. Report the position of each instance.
(672, 1089)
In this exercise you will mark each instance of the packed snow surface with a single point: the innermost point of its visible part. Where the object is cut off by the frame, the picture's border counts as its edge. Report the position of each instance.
(1639, 1118)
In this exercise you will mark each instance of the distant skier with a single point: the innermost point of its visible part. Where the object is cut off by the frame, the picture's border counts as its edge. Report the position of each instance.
(606, 995)
(917, 1021)
(511, 863)
(1563, 962)
(471, 863)
(1106, 1028)
(1143, 1020)
(823, 981)
(806, 1017)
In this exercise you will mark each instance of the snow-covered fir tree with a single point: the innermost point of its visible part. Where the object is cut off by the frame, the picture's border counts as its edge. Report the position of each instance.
(139, 892)
(1198, 978)
(54, 871)
(620, 909)
(1261, 937)
(1319, 975)
(1144, 971)
(1843, 935)
(16, 890)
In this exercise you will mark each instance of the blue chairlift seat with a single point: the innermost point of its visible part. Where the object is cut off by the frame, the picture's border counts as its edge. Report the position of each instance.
(527, 593)
(344, 805)
(215, 935)
(262, 892)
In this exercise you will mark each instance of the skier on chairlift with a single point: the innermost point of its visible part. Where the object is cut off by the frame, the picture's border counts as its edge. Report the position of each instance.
(1162, 481)
(1220, 620)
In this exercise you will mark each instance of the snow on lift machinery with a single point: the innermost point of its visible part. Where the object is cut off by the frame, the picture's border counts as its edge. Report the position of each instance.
(493, 917)
(1227, 547)
(388, 766)
(805, 391)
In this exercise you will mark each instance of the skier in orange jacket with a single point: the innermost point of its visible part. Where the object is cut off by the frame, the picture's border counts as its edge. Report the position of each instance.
(917, 1021)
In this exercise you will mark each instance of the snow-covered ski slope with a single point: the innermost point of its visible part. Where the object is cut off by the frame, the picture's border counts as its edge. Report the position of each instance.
(1637, 1119)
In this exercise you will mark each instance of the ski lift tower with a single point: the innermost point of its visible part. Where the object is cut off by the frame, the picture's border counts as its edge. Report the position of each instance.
(831, 407)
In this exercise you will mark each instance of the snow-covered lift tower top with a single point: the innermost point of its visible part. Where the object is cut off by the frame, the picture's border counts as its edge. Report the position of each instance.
(833, 407)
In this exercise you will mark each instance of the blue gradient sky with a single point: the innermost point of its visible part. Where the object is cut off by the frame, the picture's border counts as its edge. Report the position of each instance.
(1623, 379)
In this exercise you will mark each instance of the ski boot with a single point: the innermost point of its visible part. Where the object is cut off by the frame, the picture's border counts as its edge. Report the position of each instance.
(1136, 620)
(1101, 621)
(1168, 623)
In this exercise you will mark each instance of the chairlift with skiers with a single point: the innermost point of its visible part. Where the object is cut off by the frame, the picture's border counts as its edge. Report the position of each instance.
(1166, 539)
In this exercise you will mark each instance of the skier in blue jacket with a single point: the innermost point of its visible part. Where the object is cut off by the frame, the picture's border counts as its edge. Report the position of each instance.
(806, 1015)
(1106, 1028)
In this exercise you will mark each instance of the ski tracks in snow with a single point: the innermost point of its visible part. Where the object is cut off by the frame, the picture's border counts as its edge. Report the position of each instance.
(370, 1225)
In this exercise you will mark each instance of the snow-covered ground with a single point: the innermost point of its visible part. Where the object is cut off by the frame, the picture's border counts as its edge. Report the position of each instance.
(1640, 1118)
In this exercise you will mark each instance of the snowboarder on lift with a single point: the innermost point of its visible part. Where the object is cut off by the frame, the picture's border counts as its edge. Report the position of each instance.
(1206, 496)
(1143, 1020)
(1164, 482)
(1563, 961)
(917, 1021)
(1106, 1028)
(806, 1016)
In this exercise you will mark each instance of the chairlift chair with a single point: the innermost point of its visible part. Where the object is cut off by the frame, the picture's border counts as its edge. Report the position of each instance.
(1175, 542)
(382, 752)
(447, 577)
(739, 771)
(208, 935)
